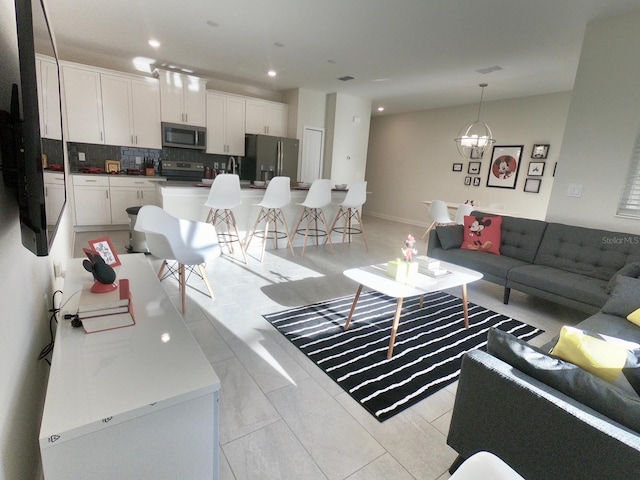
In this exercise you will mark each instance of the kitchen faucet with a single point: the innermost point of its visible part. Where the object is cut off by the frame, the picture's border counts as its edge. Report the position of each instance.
(232, 165)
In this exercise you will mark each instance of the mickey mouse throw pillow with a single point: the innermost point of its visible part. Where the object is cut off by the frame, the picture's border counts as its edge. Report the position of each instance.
(482, 234)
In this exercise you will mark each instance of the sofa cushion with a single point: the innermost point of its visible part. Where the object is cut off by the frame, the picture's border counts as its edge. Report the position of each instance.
(629, 270)
(567, 378)
(614, 360)
(450, 236)
(624, 298)
(521, 237)
(482, 233)
(586, 251)
(611, 325)
(580, 288)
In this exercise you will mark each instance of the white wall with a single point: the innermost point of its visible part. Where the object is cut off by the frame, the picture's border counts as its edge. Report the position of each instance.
(25, 282)
(411, 156)
(602, 124)
(347, 127)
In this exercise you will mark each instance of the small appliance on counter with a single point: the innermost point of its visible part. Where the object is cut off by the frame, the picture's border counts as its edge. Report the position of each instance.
(189, 171)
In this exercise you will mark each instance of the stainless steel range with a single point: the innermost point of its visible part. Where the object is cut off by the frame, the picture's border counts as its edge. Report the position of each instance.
(182, 170)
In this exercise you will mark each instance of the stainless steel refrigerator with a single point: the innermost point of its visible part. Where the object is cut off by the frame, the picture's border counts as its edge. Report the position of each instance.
(267, 157)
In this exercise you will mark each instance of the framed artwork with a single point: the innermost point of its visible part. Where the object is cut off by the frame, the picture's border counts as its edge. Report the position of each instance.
(474, 168)
(467, 180)
(504, 167)
(476, 153)
(540, 150)
(104, 247)
(536, 169)
(555, 167)
(532, 185)
(476, 181)
(457, 167)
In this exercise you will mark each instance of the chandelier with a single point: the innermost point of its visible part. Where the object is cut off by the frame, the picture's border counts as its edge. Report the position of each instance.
(475, 137)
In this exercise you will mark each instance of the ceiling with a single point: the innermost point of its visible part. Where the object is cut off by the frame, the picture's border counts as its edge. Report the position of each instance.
(404, 55)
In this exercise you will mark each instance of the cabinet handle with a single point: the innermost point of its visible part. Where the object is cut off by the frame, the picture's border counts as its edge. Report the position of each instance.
(101, 139)
(186, 118)
(141, 195)
(138, 194)
(132, 142)
(91, 181)
(107, 192)
(136, 139)
(46, 191)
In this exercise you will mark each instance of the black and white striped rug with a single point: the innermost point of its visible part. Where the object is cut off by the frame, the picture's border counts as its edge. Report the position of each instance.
(427, 355)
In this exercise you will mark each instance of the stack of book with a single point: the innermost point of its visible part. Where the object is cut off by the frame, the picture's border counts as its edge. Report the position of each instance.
(431, 267)
(106, 311)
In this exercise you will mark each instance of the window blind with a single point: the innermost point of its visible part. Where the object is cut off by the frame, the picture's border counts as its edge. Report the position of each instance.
(629, 204)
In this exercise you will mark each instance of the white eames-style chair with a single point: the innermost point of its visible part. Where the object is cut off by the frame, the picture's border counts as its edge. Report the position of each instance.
(350, 209)
(318, 197)
(276, 197)
(224, 195)
(439, 215)
(464, 209)
(188, 243)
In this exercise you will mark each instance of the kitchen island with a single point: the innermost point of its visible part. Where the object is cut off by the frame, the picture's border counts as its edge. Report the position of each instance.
(186, 200)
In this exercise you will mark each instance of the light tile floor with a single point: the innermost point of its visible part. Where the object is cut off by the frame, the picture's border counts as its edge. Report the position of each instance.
(281, 417)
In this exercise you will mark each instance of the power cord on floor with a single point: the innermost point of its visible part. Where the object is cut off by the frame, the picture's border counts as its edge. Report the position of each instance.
(52, 318)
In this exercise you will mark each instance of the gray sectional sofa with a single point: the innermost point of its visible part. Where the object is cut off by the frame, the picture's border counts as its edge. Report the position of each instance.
(570, 265)
(550, 419)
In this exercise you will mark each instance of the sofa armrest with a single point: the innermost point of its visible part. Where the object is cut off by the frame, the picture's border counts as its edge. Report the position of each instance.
(540, 432)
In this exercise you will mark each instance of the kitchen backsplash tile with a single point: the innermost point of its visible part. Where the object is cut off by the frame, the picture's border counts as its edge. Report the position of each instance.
(95, 156)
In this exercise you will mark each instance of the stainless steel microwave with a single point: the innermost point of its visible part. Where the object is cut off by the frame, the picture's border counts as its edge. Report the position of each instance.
(184, 136)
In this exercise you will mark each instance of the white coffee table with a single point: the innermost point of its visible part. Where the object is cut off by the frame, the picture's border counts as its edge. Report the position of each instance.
(375, 278)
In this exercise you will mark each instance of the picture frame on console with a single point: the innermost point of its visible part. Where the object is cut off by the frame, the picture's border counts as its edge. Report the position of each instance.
(504, 167)
(104, 247)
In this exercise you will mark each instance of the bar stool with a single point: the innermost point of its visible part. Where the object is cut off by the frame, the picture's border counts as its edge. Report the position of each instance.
(439, 215)
(349, 209)
(277, 196)
(224, 195)
(318, 197)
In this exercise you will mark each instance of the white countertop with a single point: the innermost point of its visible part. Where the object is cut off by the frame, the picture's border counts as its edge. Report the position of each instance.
(108, 377)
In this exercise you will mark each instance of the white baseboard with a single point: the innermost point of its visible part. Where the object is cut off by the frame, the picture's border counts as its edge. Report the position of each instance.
(396, 219)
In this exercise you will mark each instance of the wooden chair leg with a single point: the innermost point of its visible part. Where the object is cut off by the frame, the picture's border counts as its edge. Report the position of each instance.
(324, 220)
(286, 229)
(235, 226)
(206, 281)
(364, 235)
(162, 267)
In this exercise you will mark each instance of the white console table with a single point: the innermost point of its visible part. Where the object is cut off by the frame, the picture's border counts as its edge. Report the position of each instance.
(131, 403)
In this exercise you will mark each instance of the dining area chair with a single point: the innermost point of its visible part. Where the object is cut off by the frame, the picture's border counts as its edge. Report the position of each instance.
(182, 245)
(439, 215)
(464, 209)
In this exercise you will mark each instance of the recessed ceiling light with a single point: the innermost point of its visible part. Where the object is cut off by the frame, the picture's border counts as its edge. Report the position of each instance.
(381, 109)
(213, 24)
(154, 43)
(272, 73)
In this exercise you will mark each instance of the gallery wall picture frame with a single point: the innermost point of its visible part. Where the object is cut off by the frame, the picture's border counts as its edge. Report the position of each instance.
(532, 185)
(540, 151)
(457, 167)
(476, 181)
(476, 153)
(474, 168)
(467, 180)
(504, 166)
(104, 247)
(536, 169)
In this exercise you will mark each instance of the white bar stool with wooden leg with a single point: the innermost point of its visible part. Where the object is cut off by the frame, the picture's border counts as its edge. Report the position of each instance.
(224, 195)
(188, 243)
(277, 196)
(439, 215)
(350, 209)
(318, 197)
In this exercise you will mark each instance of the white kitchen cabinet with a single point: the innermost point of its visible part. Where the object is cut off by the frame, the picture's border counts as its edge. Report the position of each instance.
(225, 124)
(267, 118)
(182, 98)
(92, 200)
(131, 110)
(84, 105)
(54, 195)
(129, 192)
(146, 113)
(140, 402)
(48, 97)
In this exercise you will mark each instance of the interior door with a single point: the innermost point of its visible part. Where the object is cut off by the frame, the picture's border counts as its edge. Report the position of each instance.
(312, 154)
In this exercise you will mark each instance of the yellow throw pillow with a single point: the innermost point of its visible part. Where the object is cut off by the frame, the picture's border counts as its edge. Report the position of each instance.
(634, 317)
(603, 359)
